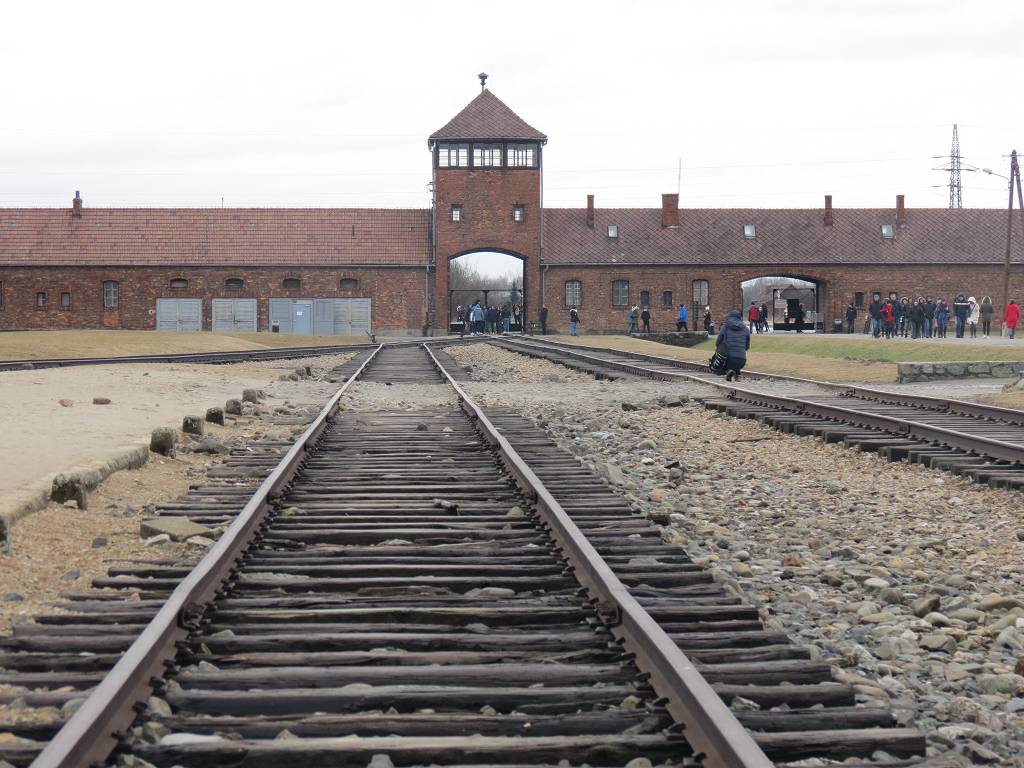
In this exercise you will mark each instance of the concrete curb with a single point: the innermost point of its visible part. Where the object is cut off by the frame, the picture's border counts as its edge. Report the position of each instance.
(37, 495)
(969, 369)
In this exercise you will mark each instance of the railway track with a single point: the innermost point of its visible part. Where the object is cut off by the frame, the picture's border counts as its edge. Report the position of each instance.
(982, 442)
(440, 586)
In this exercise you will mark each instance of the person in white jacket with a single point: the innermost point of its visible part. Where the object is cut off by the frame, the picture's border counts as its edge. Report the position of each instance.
(975, 317)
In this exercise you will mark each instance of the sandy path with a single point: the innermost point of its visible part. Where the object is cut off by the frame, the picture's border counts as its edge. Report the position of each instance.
(41, 437)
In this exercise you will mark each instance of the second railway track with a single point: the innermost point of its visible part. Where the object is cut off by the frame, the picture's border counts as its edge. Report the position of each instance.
(440, 585)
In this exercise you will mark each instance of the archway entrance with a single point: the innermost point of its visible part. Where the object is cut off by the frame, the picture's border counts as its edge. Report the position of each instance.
(496, 281)
(788, 299)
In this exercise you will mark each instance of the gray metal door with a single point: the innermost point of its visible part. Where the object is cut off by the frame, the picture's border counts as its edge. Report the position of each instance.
(341, 317)
(302, 316)
(234, 315)
(179, 314)
(281, 315)
(357, 318)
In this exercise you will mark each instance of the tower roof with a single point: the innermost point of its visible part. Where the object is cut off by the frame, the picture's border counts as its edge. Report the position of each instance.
(487, 117)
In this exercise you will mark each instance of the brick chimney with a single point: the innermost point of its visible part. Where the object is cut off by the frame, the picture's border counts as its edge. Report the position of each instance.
(670, 209)
(590, 211)
(828, 210)
(76, 204)
(901, 212)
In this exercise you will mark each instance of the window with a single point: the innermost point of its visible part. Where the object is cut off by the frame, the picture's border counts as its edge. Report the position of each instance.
(749, 231)
(110, 294)
(645, 298)
(573, 293)
(613, 230)
(179, 284)
(453, 155)
(888, 231)
(456, 213)
(700, 293)
(291, 284)
(487, 155)
(518, 213)
(620, 293)
(858, 299)
(40, 300)
(349, 284)
(666, 300)
(65, 300)
(234, 284)
(521, 156)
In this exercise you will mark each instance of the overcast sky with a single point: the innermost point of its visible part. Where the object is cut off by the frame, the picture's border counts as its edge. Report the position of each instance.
(767, 104)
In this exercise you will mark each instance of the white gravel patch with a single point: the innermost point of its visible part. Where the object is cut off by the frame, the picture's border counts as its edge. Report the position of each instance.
(375, 396)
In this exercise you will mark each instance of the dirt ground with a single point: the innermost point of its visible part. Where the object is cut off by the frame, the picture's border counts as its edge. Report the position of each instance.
(28, 345)
(42, 437)
(827, 368)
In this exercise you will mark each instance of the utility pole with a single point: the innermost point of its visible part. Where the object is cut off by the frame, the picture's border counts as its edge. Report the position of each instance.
(1014, 178)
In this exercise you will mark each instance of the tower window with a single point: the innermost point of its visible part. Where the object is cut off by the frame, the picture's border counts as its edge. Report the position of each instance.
(620, 293)
(179, 284)
(110, 294)
(613, 230)
(487, 155)
(65, 300)
(521, 155)
(349, 284)
(518, 213)
(573, 293)
(291, 284)
(749, 231)
(888, 231)
(456, 213)
(452, 155)
(234, 284)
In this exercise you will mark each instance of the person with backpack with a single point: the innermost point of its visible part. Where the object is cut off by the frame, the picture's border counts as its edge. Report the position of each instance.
(574, 319)
(754, 316)
(645, 316)
(733, 341)
(681, 319)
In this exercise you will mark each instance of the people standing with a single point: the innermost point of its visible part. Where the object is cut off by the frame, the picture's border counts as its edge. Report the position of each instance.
(942, 318)
(987, 310)
(961, 311)
(506, 318)
(645, 316)
(543, 321)
(904, 318)
(574, 319)
(754, 316)
(1011, 316)
(632, 315)
(917, 318)
(929, 316)
(681, 319)
(709, 324)
(800, 314)
(851, 317)
(733, 342)
(875, 313)
(763, 311)
(888, 318)
(974, 317)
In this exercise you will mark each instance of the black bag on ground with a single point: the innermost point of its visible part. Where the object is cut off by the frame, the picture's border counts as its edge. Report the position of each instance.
(717, 364)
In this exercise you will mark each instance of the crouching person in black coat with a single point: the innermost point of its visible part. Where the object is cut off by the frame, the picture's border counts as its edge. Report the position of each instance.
(733, 342)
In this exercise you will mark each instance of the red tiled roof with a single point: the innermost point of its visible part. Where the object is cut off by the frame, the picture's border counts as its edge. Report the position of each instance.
(790, 236)
(244, 236)
(487, 117)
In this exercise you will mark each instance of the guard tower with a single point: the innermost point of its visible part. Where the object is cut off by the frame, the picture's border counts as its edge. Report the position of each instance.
(487, 193)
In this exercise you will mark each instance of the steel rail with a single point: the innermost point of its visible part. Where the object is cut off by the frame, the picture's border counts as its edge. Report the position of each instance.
(91, 733)
(939, 404)
(231, 356)
(997, 449)
(710, 726)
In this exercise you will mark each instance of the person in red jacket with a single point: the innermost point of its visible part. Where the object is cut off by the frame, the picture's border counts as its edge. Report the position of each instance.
(754, 316)
(1011, 316)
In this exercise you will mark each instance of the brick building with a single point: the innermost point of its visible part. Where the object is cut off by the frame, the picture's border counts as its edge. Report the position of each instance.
(347, 271)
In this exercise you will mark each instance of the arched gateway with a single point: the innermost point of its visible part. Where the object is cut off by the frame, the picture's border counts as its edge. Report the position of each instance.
(487, 177)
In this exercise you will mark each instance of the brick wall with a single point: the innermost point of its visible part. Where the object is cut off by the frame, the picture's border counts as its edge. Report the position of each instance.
(837, 287)
(397, 294)
(487, 197)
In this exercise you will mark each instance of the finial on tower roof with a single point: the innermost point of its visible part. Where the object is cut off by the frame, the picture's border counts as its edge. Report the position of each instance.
(483, 81)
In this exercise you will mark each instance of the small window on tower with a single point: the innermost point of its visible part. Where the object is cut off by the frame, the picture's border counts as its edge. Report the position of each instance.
(456, 213)
(519, 214)
(613, 230)
(521, 156)
(487, 155)
(453, 155)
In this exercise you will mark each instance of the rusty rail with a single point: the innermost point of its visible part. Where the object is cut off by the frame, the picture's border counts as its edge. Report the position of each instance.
(710, 726)
(91, 733)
